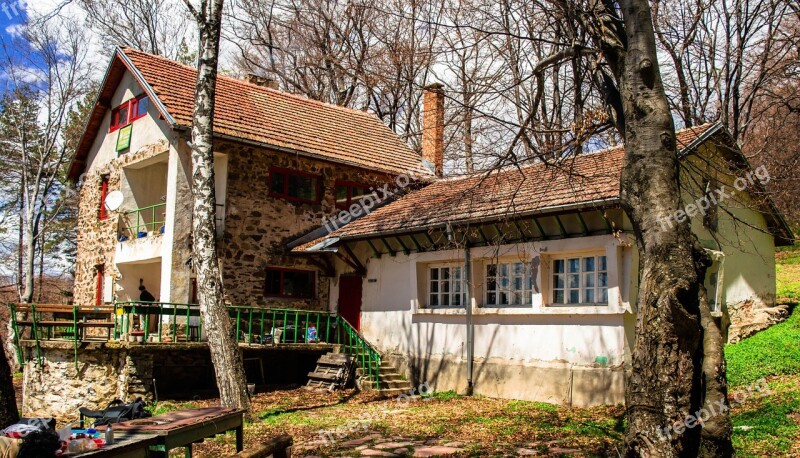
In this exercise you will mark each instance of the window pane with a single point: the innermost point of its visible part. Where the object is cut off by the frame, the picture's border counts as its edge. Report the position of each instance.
(141, 107)
(518, 268)
(504, 282)
(491, 270)
(503, 270)
(602, 279)
(558, 281)
(123, 115)
(434, 299)
(298, 284)
(503, 299)
(434, 274)
(588, 264)
(558, 266)
(574, 265)
(273, 283)
(602, 295)
(359, 191)
(517, 283)
(341, 195)
(574, 296)
(588, 280)
(445, 273)
(491, 284)
(277, 179)
(601, 261)
(574, 280)
(558, 297)
(434, 286)
(445, 299)
(588, 296)
(302, 187)
(445, 286)
(457, 299)
(491, 298)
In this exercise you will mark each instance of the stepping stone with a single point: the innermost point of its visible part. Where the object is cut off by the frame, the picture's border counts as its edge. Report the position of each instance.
(562, 451)
(388, 445)
(357, 442)
(402, 452)
(436, 450)
(456, 444)
(527, 452)
(372, 452)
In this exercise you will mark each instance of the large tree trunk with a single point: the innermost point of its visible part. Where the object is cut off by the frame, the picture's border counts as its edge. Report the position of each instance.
(224, 352)
(8, 401)
(672, 376)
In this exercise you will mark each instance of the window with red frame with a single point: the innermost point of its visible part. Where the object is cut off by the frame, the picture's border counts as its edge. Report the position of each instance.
(98, 294)
(290, 283)
(102, 213)
(295, 186)
(129, 111)
(348, 193)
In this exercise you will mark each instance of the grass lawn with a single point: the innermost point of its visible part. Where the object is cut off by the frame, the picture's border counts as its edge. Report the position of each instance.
(765, 423)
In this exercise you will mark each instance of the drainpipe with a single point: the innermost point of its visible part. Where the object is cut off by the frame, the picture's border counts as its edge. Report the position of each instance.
(468, 305)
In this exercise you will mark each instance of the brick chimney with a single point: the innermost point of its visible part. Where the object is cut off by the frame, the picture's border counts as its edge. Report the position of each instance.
(433, 126)
(258, 80)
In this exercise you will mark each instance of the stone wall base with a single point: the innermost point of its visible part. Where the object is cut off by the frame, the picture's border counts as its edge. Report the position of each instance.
(543, 381)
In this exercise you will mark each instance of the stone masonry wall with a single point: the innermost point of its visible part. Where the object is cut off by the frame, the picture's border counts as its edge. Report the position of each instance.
(97, 239)
(258, 227)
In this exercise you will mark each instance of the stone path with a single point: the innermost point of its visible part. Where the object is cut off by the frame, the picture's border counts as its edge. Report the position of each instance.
(378, 445)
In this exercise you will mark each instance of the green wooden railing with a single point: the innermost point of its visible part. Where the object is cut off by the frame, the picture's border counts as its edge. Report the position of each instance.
(149, 220)
(253, 325)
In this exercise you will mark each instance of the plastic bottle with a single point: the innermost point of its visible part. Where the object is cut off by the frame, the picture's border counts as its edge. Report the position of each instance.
(109, 434)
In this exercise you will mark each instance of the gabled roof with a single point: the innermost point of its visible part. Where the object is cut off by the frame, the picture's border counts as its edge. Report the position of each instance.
(590, 179)
(254, 114)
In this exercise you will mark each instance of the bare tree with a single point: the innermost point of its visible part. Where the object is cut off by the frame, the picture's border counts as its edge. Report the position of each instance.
(225, 354)
(154, 26)
(45, 83)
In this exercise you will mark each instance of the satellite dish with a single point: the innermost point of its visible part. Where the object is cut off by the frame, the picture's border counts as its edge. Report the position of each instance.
(114, 200)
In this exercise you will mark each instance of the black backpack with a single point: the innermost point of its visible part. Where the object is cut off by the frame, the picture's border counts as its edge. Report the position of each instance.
(116, 412)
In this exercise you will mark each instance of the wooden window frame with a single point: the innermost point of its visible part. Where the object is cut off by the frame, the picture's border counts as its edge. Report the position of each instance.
(581, 287)
(282, 271)
(292, 172)
(100, 271)
(349, 185)
(102, 211)
(130, 106)
(451, 282)
(528, 287)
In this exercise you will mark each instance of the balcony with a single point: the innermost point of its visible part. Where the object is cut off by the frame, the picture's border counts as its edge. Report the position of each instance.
(142, 222)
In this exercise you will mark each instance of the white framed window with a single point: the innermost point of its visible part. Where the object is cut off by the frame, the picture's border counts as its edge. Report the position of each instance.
(580, 280)
(508, 284)
(445, 286)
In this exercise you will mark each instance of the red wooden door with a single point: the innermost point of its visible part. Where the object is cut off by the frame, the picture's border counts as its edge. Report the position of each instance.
(350, 299)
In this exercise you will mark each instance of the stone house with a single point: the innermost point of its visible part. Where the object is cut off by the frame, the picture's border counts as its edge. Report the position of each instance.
(282, 163)
(517, 283)
(522, 282)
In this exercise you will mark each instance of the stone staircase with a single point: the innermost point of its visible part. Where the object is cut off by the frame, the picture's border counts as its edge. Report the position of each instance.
(391, 382)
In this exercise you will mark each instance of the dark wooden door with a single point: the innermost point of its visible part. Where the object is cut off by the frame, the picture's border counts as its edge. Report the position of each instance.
(350, 299)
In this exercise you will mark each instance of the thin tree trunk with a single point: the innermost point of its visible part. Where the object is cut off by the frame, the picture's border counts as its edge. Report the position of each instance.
(668, 365)
(225, 354)
(8, 401)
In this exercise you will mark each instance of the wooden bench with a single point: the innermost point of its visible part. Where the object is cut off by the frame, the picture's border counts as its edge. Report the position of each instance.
(76, 323)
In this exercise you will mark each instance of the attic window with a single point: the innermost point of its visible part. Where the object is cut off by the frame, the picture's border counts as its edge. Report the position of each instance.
(128, 112)
(295, 186)
(347, 193)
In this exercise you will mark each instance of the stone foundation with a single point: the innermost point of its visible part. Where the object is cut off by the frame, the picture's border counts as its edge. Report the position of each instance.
(108, 370)
(543, 381)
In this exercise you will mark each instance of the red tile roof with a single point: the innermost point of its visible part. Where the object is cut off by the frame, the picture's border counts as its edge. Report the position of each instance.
(588, 178)
(253, 113)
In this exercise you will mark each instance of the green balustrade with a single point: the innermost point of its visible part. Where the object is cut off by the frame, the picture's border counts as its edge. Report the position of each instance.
(148, 220)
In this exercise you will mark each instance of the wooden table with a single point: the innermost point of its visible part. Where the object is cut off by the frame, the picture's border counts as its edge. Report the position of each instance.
(182, 428)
